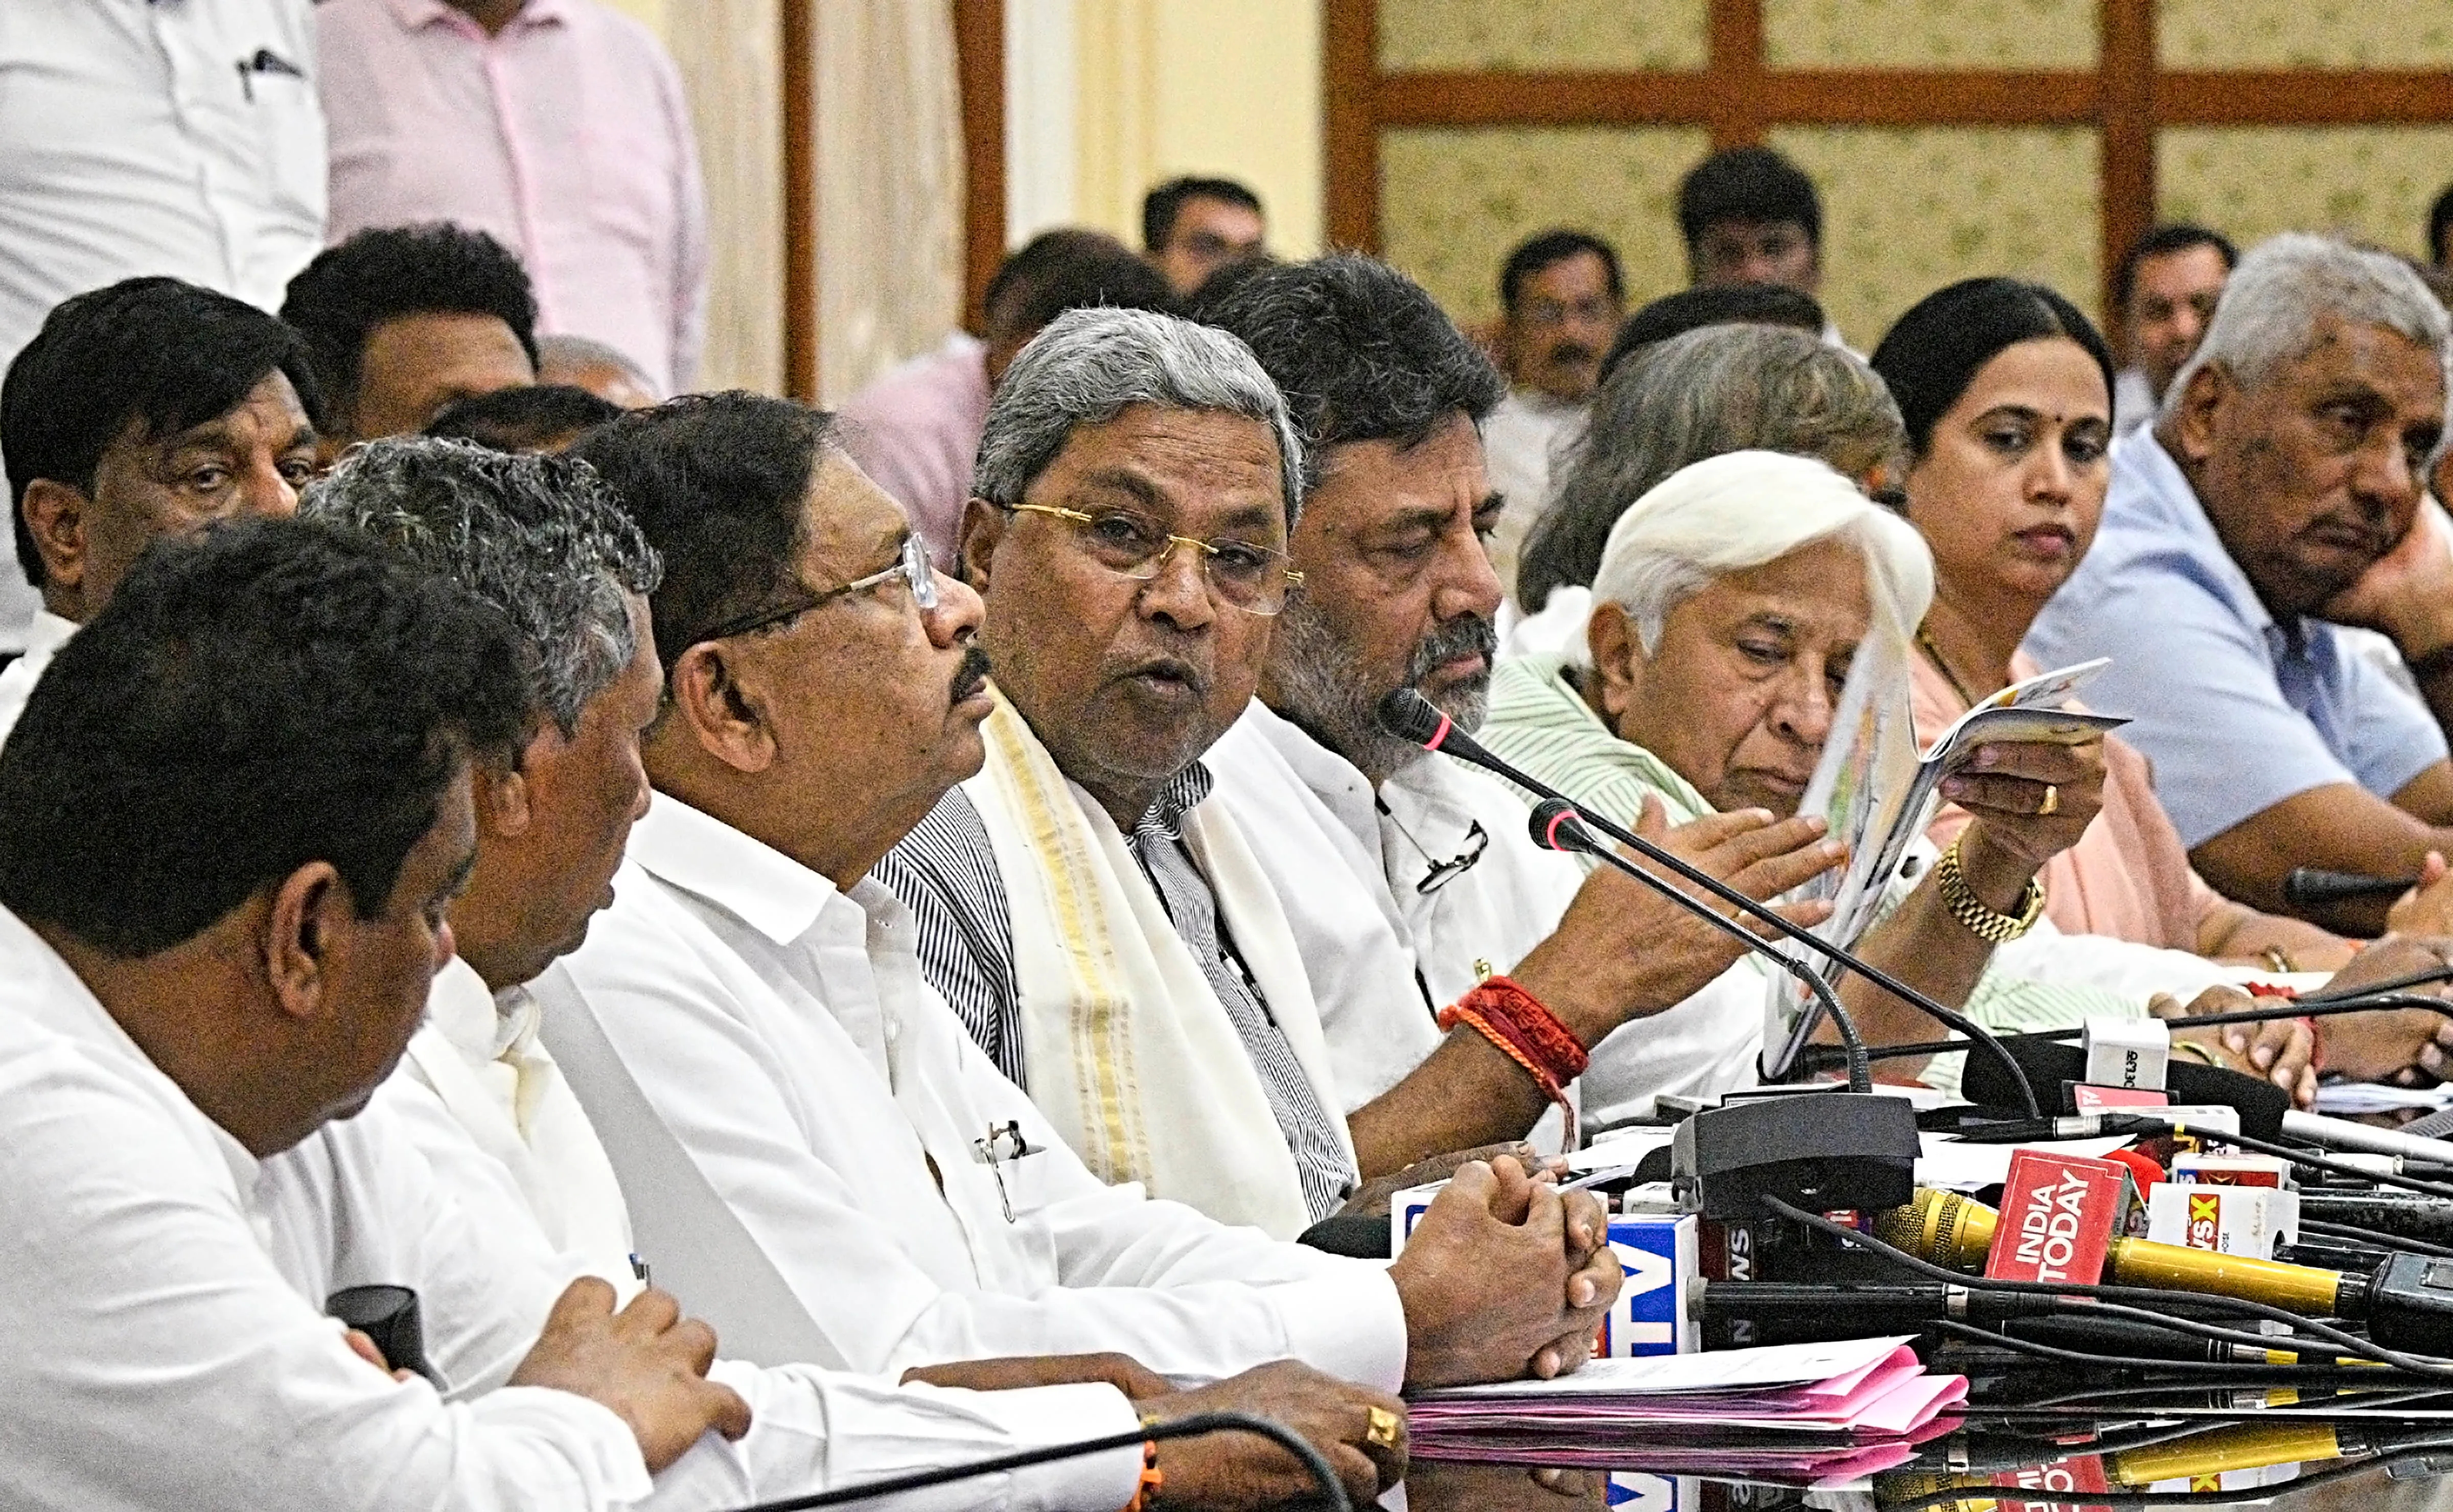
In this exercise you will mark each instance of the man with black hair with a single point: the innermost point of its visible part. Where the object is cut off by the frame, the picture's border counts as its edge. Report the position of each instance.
(1193, 227)
(2166, 290)
(542, 417)
(914, 430)
(1561, 295)
(404, 321)
(230, 832)
(1713, 304)
(1751, 216)
(1405, 878)
(151, 408)
(836, 1167)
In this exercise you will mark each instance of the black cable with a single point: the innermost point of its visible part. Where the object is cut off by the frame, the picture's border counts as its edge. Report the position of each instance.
(2080, 1357)
(2283, 1008)
(1332, 1490)
(2443, 972)
(2347, 1342)
(2172, 1499)
(1406, 714)
(2297, 1157)
(1557, 825)
(2375, 1236)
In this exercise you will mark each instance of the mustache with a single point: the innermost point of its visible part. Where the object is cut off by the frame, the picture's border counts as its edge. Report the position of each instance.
(971, 675)
(1573, 352)
(1463, 635)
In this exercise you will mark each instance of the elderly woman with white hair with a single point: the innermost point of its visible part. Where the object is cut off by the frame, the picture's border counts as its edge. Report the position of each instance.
(1730, 603)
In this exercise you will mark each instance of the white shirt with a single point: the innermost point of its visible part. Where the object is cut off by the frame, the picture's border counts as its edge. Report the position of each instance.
(797, 1119)
(131, 143)
(165, 1344)
(1524, 448)
(1385, 956)
(2133, 400)
(43, 638)
(502, 1128)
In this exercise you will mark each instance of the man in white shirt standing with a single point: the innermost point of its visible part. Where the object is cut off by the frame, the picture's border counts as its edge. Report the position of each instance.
(806, 1134)
(1409, 879)
(1561, 297)
(486, 1104)
(148, 409)
(180, 138)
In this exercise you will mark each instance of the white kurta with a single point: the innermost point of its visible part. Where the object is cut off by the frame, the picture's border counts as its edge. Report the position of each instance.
(1524, 446)
(798, 1119)
(43, 638)
(165, 1344)
(1382, 955)
(500, 1124)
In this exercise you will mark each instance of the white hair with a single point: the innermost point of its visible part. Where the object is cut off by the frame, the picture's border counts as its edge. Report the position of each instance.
(2275, 299)
(1743, 510)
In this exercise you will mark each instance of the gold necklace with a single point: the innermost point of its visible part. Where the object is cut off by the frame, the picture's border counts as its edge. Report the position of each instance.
(1933, 653)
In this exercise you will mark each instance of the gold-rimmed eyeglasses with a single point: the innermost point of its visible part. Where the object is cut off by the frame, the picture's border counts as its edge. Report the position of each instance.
(912, 566)
(1252, 577)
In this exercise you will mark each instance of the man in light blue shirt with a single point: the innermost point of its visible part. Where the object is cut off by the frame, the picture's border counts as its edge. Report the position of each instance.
(2276, 498)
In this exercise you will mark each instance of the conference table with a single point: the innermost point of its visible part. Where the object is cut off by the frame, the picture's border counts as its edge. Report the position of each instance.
(2053, 1438)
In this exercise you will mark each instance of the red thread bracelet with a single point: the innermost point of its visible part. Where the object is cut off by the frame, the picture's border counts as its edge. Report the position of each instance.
(1525, 1031)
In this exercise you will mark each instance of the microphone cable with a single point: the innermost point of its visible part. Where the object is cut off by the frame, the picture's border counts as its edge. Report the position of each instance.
(1557, 825)
(2374, 1237)
(2079, 1499)
(1332, 1491)
(2060, 1355)
(1410, 716)
(2136, 1303)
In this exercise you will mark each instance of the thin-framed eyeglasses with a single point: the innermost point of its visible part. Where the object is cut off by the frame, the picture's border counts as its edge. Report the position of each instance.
(912, 566)
(1252, 577)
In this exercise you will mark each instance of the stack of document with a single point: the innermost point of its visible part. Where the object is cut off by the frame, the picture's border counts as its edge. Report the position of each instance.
(1799, 1407)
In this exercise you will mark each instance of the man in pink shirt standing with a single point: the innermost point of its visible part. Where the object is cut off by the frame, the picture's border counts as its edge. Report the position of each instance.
(915, 430)
(558, 127)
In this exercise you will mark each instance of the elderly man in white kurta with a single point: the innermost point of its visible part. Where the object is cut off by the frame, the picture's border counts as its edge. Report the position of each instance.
(805, 1130)
(206, 964)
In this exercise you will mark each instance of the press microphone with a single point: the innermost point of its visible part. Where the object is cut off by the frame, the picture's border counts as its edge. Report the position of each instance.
(2407, 1303)
(1406, 714)
(1555, 824)
(2310, 885)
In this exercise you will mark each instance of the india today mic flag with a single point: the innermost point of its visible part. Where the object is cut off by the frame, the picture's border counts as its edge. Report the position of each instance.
(2058, 1213)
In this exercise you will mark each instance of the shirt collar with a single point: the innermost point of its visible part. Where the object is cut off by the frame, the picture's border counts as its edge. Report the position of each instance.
(413, 15)
(1184, 792)
(2165, 492)
(43, 986)
(48, 632)
(701, 854)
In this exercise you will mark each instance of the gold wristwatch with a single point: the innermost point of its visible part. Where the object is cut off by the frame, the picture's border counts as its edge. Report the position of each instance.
(1980, 920)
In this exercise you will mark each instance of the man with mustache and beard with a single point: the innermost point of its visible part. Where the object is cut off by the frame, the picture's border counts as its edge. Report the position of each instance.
(2279, 497)
(1560, 298)
(812, 1147)
(1409, 879)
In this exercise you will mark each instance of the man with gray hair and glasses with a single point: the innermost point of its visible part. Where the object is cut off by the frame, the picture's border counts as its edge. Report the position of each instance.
(2278, 497)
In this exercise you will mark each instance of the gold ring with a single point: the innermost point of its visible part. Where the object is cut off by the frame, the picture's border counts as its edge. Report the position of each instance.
(1384, 1427)
(2052, 804)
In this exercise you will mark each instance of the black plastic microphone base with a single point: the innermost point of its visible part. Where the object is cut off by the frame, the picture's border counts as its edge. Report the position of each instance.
(1822, 1151)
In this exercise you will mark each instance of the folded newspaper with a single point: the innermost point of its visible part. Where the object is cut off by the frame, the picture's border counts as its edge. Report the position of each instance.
(1878, 792)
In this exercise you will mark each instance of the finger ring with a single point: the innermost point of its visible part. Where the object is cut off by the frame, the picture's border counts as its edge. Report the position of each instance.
(2052, 804)
(1384, 1427)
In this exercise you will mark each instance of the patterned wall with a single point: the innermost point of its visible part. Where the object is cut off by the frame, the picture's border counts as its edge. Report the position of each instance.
(1454, 201)
(1930, 33)
(2250, 182)
(1417, 36)
(2306, 33)
(1906, 211)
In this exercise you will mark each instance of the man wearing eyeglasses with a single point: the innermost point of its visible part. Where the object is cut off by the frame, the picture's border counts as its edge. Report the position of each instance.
(813, 1149)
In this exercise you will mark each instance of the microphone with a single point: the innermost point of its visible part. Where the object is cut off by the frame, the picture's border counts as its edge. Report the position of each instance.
(2399, 1304)
(389, 1316)
(1332, 1491)
(1555, 824)
(1803, 1312)
(1408, 715)
(2309, 885)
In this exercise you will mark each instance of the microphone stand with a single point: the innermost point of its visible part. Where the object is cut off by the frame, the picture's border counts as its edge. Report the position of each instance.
(1410, 716)
(1556, 825)
(1332, 1491)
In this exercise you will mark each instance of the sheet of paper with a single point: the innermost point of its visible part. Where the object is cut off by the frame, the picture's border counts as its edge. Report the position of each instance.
(1770, 1367)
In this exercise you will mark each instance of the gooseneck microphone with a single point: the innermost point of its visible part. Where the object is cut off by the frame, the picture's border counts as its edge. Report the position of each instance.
(2308, 886)
(1410, 716)
(1332, 1491)
(1557, 825)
